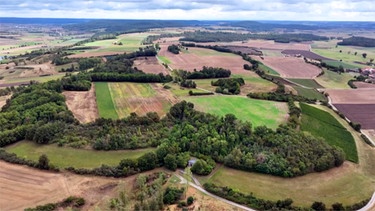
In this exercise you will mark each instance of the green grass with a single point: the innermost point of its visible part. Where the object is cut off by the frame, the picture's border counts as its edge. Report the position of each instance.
(333, 80)
(338, 64)
(309, 93)
(79, 158)
(164, 59)
(268, 69)
(306, 82)
(322, 124)
(37, 78)
(208, 52)
(345, 187)
(104, 100)
(258, 112)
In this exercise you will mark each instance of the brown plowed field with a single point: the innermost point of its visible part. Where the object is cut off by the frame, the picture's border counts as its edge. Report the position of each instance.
(150, 65)
(362, 113)
(352, 96)
(361, 85)
(82, 104)
(22, 187)
(307, 54)
(204, 57)
(291, 67)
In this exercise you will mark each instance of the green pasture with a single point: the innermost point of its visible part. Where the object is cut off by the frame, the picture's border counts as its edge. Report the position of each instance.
(268, 70)
(333, 80)
(306, 82)
(310, 93)
(104, 101)
(164, 59)
(70, 157)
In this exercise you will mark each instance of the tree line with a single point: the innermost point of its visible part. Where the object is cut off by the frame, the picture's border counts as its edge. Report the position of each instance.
(358, 41)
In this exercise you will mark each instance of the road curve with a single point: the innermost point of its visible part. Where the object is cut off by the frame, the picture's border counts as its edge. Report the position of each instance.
(214, 196)
(370, 205)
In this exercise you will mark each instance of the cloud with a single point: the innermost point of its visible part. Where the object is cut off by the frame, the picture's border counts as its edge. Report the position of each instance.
(349, 10)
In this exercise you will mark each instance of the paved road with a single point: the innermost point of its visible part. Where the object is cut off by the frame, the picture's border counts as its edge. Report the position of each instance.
(214, 196)
(370, 205)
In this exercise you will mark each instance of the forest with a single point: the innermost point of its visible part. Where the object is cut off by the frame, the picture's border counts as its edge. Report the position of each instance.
(358, 41)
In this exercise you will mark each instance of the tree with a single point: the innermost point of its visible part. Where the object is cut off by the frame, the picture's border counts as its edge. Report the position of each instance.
(319, 206)
(43, 162)
(170, 162)
(364, 55)
(337, 206)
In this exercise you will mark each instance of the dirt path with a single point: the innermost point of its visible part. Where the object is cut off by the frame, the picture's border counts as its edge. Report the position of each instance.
(82, 104)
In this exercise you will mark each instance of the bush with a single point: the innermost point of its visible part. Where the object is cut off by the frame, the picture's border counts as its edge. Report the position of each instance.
(190, 200)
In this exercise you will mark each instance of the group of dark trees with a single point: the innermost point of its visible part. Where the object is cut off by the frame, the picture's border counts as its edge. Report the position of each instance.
(206, 72)
(204, 36)
(174, 49)
(70, 202)
(230, 86)
(358, 41)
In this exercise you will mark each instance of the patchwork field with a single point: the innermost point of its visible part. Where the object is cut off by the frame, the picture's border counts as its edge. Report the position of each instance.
(322, 124)
(333, 80)
(304, 53)
(264, 45)
(82, 104)
(150, 65)
(63, 157)
(352, 96)
(196, 58)
(362, 113)
(361, 85)
(306, 82)
(140, 98)
(258, 112)
(105, 103)
(291, 67)
(310, 93)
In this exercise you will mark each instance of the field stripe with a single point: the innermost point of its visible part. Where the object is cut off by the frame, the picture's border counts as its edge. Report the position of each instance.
(104, 100)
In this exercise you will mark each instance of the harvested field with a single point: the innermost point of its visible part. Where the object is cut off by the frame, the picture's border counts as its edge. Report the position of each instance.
(82, 104)
(307, 54)
(291, 67)
(352, 96)
(150, 65)
(196, 58)
(244, 49)
(360, 113)
(3, 100)
(22, 187)
(264, 45)
(95, 54)
(141, 98)
(360, 85)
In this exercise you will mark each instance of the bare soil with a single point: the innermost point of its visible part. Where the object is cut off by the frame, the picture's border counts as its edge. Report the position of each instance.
(352, 96)
(150, 65)
(360, 85)
(362, 113)
(82, 104)
(291, 67)
(22, 187)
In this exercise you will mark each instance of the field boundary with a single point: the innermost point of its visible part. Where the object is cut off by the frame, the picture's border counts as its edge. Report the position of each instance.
(369, 205)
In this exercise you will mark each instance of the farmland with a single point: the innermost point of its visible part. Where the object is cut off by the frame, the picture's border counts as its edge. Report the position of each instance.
(310, 93)
(104, 101)
(257, 112)
(322, 124)
(150, 65)
(333, 80)
(352, 96)
(306, 82)
(306, 54)
(63, 157)
(291, 67)
(360, 113)
(118, 100)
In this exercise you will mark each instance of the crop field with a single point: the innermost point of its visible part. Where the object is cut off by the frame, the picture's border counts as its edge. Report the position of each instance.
(291, 67)
(258, 112)
(63, 157)
(268, 70)
(196, 58)
(150, 65)
(359, 113)
(164, 59)
(82, 104)
(271, 45)
(343, 64)
(106, 107)
(322, 124)
(306, 82)
(363, 85)
(333, 80)
(335, 185)
(352, 96)
(140, 98)
(309, 93)
(307, 54)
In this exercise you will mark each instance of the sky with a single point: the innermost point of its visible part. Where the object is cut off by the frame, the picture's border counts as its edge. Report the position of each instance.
(313, 10)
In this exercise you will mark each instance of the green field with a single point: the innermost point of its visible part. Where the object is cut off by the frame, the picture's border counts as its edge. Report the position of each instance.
(79, 158)
(322, 124)
(346, 187)
(258, 112)
(333, 80)
(268, 70)
(164, 59)
(310, 93)
(208, 52)
(306, 82)
(104, 100)
(343, 64)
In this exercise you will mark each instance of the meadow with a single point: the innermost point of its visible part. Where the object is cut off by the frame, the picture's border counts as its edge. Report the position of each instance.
(63, 157)
(333, 80)
(257, 112)
(310, 93)
(268, 70)
(306, 82)
(322, 124)
(104, 100)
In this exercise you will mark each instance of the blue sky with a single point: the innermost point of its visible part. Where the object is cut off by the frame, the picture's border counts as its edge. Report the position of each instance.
(330, 10)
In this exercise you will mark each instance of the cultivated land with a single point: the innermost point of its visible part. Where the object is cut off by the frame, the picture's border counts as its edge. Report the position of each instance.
(360, 113)
(150, 65)
(140, 98)
(322, 124)
(306, 82)
(360, 85)
(258, 112)
(264, 45)
(63, 157)
(82, 104)
(309, 93)
(291, 67)
(352, 96)
(333, 80)
(106, 107)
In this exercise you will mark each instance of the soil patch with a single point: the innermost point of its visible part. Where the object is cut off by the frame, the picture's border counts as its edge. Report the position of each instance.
(82, 104)
(352, 96)
(150, 65)
(360, 85)
(307, 54)
(362, 113)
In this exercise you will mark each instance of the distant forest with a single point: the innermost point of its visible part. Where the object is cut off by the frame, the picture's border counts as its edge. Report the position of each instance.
(358, 41)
